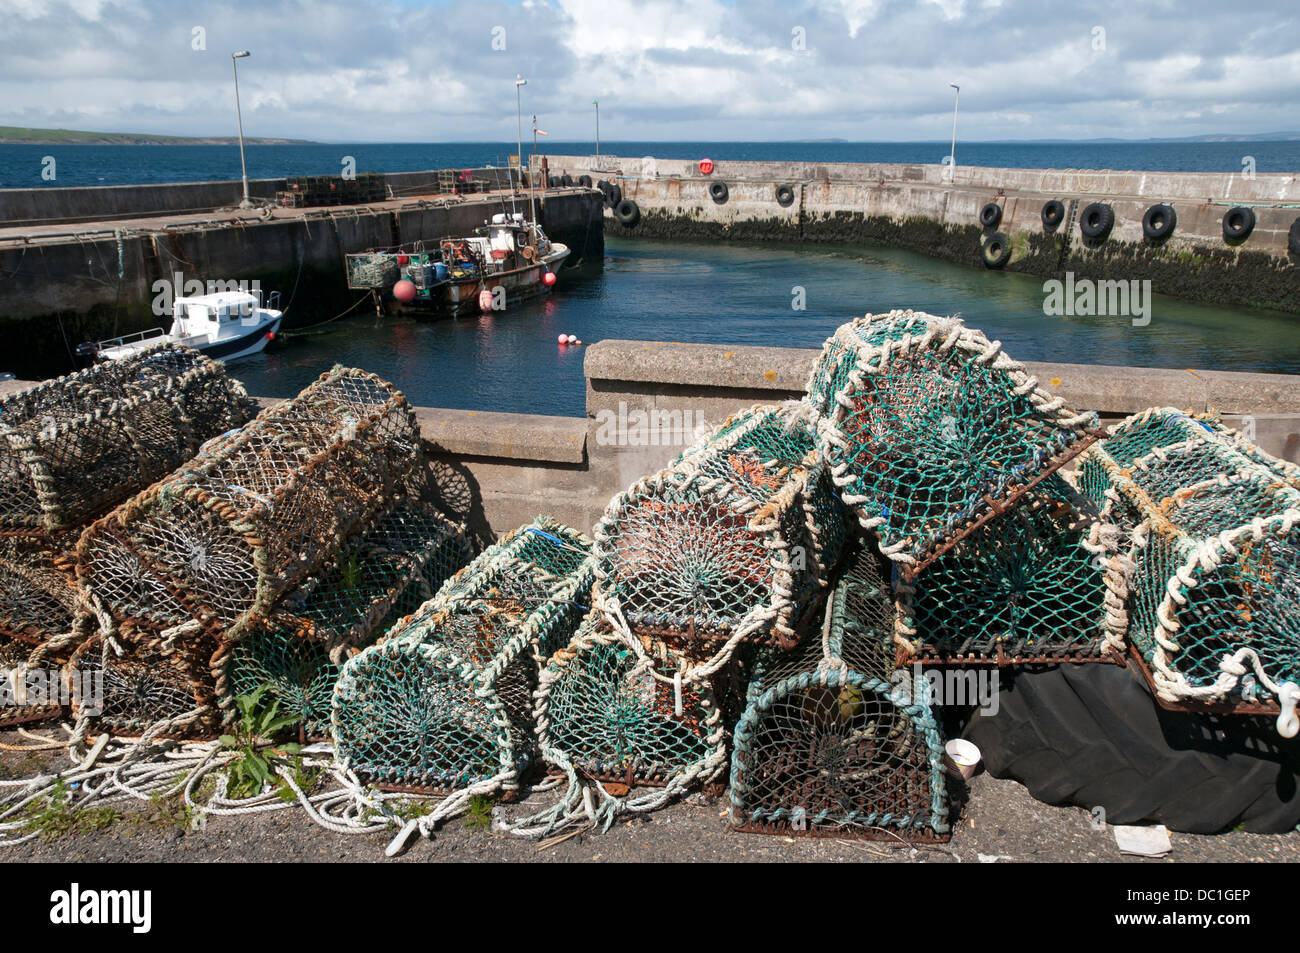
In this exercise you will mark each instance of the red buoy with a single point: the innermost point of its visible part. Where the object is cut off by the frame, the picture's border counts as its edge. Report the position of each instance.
(402, 259)
(548, 279)
(404, 291)
(706, 166)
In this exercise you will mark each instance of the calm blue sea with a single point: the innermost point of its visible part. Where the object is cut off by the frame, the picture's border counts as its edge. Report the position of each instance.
(20, 166)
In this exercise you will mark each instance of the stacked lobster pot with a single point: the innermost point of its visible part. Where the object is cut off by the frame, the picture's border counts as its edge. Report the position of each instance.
(444, 703)
(1046, 582)
(179, 574)
(834, 741)
(947, 450)
(698, 567)
(74, 447)
(931, 431)
(1215, 542)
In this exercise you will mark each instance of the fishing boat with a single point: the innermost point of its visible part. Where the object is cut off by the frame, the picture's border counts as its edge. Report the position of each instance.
(225, 325)
(508, 259)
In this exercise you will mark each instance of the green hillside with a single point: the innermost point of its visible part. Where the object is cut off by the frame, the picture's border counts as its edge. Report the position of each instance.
(73, 137)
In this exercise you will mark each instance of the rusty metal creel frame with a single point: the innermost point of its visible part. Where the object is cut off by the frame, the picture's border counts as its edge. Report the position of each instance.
(73, 447)
(257, 511)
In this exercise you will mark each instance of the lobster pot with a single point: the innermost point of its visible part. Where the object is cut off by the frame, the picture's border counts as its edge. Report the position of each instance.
(1162, 450)
(152, 686)
(74, 447)
(616, 714)
(927, 425)
(1216, 591)
(384, 574)
(833, 742)
(38, 588)
(258, 510)
(446, 700)
(373, 270)
(731, 542)
(19, 704)
(1044, 583)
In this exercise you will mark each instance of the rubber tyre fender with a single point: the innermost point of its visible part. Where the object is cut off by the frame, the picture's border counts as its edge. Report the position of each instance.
(1293, 238)
(615, 195)
(628, 213)
(1096, 221)
(1052, 214)
(996, 250)
(784, 196)
(1238, 223)
(1092, 735)
(584, 181)
(991, 215)
(1158, 222)
(719, 192)
(552, 182)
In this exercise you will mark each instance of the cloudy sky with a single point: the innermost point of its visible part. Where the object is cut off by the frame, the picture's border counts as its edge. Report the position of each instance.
(407, 70)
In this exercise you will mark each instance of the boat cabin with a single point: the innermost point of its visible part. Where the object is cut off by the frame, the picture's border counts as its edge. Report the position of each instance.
(212, 314)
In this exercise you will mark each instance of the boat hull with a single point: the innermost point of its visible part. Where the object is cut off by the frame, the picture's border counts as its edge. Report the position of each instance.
(226, 349)
(460, 297)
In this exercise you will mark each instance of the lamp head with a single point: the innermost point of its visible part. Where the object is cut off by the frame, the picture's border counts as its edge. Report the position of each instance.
(239, 54)
(520, 81)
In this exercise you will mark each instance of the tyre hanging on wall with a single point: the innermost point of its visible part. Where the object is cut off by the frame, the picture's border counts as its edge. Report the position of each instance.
(991, 215)
(996, 250)
(628, 213)
(1293, 238)
(552, 182)
(784, 196)
(718, 192)
(1093, 736)
(566, 180)
(615, 195)
(1096, 221)
(1053, 214)
(1238, 223)
(1158, 222)
(584, 181)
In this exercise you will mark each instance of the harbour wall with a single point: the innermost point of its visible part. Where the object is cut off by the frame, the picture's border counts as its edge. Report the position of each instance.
(61, 288)
(100, 203)
(935, 211)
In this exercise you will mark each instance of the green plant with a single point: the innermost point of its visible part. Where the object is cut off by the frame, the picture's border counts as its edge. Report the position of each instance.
(350, 570)
(254, 741)
(59, 816)
(478, 812)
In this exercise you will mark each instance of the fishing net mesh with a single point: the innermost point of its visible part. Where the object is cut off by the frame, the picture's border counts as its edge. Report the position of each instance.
(257, 510)
(729, 542)
(926, 424)
(1211, 519)
(614, 714)
(38, 589)
(1045, 582)
(446, 700)
(833, 741)
(78, 445)
(381, 576)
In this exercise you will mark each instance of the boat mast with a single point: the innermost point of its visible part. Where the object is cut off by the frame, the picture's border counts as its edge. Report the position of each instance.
(532, 201)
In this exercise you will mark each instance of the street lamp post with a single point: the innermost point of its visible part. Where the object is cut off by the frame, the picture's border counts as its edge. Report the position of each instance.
(520, 83)
(952, 168)
(243, 166)
(596, 103)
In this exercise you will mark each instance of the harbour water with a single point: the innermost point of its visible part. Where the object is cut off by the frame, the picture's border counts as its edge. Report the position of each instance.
(743, 295)
(21, 166)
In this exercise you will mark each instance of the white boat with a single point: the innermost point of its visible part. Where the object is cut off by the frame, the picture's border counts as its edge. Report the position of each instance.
(225, 325)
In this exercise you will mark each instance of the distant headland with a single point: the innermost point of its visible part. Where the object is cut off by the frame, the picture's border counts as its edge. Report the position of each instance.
(17, 135)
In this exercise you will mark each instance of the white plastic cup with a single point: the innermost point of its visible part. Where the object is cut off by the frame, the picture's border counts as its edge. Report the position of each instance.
(961, 758)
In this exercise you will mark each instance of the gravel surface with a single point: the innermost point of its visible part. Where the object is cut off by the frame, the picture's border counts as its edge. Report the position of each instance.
(999, 820)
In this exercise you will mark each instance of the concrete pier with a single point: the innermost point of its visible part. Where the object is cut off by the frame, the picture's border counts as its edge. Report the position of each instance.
(65, 283)
(933, 210)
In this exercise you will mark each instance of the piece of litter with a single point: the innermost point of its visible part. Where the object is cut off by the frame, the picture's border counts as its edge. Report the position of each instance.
(991, 858)
(1143, 841)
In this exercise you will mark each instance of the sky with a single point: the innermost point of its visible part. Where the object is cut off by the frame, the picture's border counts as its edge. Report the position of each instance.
(698, 70)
